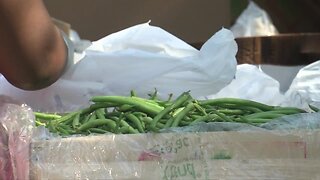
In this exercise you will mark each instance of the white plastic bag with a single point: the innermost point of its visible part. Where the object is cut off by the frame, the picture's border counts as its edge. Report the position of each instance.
(139, 58)
(305, 88)
(253, 21)
(253, 84)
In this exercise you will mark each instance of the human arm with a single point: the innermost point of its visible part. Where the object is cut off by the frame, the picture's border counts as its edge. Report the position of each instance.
(33, 54)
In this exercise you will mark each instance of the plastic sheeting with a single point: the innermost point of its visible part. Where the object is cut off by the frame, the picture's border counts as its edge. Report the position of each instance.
(253, 21)
(16, 122)
(229, 151)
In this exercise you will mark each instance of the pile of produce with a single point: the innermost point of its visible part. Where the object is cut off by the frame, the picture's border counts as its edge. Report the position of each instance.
(132, 114)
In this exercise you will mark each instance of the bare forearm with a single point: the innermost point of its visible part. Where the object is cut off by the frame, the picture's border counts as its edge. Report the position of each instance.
(32, 52)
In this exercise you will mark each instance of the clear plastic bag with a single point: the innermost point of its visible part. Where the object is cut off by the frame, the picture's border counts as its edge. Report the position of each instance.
(230, 151)
(16, 123)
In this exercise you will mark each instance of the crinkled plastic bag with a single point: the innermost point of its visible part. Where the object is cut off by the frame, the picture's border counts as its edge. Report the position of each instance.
(253, 21)
(305, 88)
(302, 121)
(245, 152)
(140, 58)
(16, 122)
(253, 84)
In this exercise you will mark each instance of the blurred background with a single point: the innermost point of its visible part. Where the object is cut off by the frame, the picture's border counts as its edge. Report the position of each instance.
(192, 21)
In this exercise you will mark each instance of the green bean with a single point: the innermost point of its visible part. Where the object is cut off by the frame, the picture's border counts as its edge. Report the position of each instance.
(149, 108)
(97, 130)
(170, 97)
(125, 129)
(154, 95)
(76, 121)
(100, 113)
(51, 127)
(45, 116)
(184, 123)
(66, 117)
(240, 102)
(135, 121)
(92, 117)
(140, 114)
(131, 130)
(67, 122)
(113, 114)
(38, 123)
(66, 127)
(99, 105)
(176, 111)
(231, 111)
(143, 100)
(182, 114)
(125, 107)
(205, 118)
(237, 107)
(148, 121)
(176, 104)
(313, 108)
(85, 118)
(62, 131)
(200, 109)
(133, 93)
(223, 116)
(268, 115)
(96, 123)
(189, 119)
(195, 116)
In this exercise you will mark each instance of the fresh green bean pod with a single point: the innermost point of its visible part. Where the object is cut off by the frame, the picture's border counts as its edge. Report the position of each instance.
(148, 121)
(239, 102)
(126, 107)
(131, 130)
(184, 123)
(100, 113)
(38, 123)
(247, 109)
(96, 123)
(62, 131)
(313, 108)
(66, 117)
(208, 117)
(125, 129)
(264, 115)
(98, 130)
(182, 114)
(76, 121)
(224, 117)
(85, 118)
(176, 104)
(45, 116)
(200, 109)
(135, 121)
(150, 108)
(231, 111)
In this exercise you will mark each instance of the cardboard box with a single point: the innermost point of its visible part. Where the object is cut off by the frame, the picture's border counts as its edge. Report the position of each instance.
(211, 155)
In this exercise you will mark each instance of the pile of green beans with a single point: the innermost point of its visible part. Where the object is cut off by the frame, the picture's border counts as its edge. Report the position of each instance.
(132, 114)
